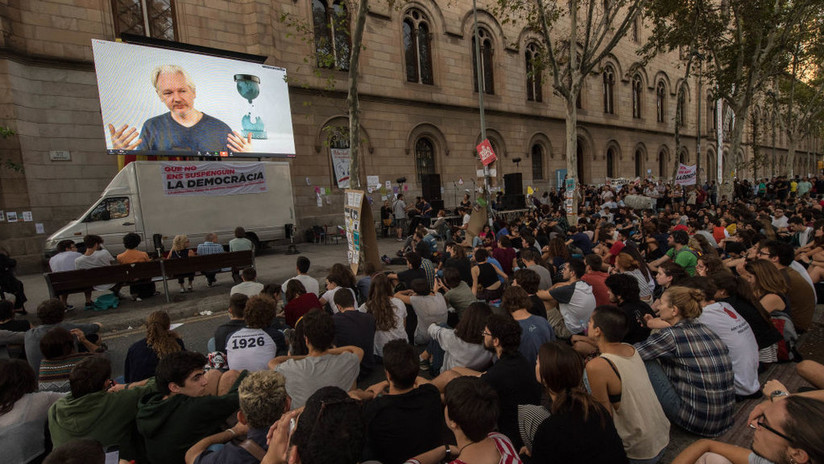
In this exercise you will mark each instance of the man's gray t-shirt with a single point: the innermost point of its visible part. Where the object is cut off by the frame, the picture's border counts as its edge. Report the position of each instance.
(399, 208)
(163, 133)
(430, 309)
(460, 297)
(308, 375)
(543, 273)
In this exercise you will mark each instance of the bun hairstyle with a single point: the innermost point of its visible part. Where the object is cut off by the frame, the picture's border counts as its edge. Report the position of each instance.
(626, 262)
(688, 301)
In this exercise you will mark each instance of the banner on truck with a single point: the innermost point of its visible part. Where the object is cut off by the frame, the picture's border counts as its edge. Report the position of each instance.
(340, 161)
(686, 175)
(213, 178)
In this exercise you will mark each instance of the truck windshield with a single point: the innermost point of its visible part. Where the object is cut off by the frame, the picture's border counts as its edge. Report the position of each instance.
(110, 208)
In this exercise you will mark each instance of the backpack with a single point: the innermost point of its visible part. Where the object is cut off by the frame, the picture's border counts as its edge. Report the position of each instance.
(787, 347)
(106, 301)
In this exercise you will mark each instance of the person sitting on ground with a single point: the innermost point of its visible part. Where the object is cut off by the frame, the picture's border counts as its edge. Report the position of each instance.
(462, 346)
(210, 246)
(667, 275)
(51, 314)
(340, 276)
(535, 330)
(625, 294)
(402, 395)
(413, 271)
(363, 284)
(143, 355)
(678, 252)
(252, 347)
(237, 307)
(529, 280)
(299, 302)
(595, 276)
(98, 409)
(578, 428)
(626, 264)
(471, 413)
(353, 327)
(689, 366)
(786, 429)
(812, 372)
(249, 287)
(190, 404)
(458, 295)
(430, 308)
(330, 429)
(310, 284)
(83, 451)
(619, 382)
(323, 365)
(389, 313)
(96, 256)
(571, 302)
(531, 258)
(63, 261)
(180, 250)
(485, 283)
(511, 375)
(263, 400)
(60, 356)
(456, 257)
(9, 323)
(23, 412)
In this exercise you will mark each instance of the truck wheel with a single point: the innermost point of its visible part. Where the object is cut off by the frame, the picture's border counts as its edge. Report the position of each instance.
(255, 241)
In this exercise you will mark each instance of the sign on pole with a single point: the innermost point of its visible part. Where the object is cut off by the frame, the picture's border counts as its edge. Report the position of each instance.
(486, 153)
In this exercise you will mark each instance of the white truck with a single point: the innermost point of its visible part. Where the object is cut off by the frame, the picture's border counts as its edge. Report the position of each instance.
(158, 200)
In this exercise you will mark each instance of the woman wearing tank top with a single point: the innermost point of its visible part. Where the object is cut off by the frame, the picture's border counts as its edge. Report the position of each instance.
(485, 282)
(619, 382)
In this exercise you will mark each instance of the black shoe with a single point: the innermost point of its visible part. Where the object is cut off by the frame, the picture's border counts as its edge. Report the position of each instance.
(21, 311)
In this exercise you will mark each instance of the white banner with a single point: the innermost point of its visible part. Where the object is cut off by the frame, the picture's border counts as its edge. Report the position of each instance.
(686, 175)
(213, 178)
(340, 162)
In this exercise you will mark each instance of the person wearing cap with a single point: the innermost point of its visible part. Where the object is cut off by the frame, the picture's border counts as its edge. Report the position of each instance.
(679, 252)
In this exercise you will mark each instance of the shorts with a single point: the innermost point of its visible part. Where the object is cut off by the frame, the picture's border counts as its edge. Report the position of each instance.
(400, 223)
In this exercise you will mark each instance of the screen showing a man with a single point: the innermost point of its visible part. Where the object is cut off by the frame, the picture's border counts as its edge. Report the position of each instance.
(183, 128)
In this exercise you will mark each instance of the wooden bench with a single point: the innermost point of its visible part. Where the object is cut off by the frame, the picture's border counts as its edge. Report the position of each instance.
(161, 270)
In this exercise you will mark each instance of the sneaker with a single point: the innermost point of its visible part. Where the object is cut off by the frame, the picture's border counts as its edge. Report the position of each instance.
(210, 284)
(182, 290)
(190, 288)
(21, 311)
(69, 308)
(138, 299)
(399, 240)
(88, 307)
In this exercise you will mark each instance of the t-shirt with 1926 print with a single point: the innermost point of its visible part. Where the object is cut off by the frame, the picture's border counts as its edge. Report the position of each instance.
(252, 349)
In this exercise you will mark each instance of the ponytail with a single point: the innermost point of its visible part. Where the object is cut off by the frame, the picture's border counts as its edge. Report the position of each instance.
(158, 336)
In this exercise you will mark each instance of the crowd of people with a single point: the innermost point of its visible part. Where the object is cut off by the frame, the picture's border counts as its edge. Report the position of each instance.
(533, 340)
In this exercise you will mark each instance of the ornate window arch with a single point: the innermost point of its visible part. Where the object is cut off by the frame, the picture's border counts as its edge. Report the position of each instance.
(609, 89)
(417, 47)
(424, 157)
(640, 158)
(332, 42)
(637, 92)
(151, 19)
(612, 162)
(660, 101)
(663, 154)
(537, 153)
(487, 50)
(533, 73)
(682, 107)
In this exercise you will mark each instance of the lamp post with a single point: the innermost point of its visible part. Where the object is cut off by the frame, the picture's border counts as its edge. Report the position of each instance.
(481, 90)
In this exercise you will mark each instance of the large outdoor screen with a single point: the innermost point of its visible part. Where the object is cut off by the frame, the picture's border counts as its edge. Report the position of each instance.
(157, 101)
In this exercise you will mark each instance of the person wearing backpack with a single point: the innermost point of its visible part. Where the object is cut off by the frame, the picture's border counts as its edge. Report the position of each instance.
(679, 253)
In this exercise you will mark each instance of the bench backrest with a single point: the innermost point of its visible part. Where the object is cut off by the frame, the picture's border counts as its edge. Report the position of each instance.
(235, 260)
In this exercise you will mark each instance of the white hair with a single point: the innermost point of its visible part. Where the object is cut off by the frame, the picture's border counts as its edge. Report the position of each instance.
(171, 69)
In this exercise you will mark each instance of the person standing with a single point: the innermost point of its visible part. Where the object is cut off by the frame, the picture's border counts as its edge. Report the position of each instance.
(399, 209)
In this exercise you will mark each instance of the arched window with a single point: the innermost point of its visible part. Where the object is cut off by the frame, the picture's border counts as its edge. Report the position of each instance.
(424, 157)
(332, 45)
(486, 61)
(637, 86)
(682, 107)
(609, 86)
(636, 34)
(639, 164)
(683, 156)
(533, 73)
(611, 162)
(660, 100)
(417, 47)
(712, 114)
(537, 162)
(662, 164)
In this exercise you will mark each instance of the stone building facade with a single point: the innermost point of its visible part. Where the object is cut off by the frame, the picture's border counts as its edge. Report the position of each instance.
(419, 110)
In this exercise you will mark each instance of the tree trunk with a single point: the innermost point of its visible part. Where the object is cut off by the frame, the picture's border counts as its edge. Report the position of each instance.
(572, 148)
(352, 100)
(790, 153)
(732, 163)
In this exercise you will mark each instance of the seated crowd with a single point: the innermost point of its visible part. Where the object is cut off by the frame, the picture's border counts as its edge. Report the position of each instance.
(545, 342)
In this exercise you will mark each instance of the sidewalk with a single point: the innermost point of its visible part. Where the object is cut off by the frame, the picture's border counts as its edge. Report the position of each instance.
(272, 266)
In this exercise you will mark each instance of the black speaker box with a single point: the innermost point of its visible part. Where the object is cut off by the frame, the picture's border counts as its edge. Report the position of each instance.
(437, 205)
(513, 184)
(514, 202)
(431, 186)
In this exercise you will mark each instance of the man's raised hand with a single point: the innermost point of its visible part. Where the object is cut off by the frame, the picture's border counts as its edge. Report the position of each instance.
(124, 138)
(238, 143)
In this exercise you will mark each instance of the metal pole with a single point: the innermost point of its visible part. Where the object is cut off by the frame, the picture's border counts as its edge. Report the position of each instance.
(481, 90)
(698, 128)
(719, 140)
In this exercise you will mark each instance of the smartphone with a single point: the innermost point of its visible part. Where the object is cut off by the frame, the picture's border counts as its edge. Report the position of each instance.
(113, 454)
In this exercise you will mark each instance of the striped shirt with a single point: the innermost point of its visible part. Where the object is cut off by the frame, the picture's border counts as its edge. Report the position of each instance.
(698, 364)
(509, 455)
(54, 373)
(209, 248)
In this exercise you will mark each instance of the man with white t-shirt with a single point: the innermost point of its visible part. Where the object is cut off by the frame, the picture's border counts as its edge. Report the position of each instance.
(735, 332)
(252, 347)
(249, 286)
(96, 256)
(63, 261)
(572, 301)
(309, 283)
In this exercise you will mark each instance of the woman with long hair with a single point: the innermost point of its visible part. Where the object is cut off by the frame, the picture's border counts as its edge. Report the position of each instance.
(389, 312)
(299, 303)
(340, 276)
(626, 264)
(463, 345)
(768, 285)
(689, 366)
(180, 249)
(23, 412)
(668, 274)
(708, 264)
(555, 254)
(642, 265)
(578, 429)
(143, 355)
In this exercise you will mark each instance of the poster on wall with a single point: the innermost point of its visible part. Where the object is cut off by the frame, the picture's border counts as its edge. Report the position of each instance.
(340, 163)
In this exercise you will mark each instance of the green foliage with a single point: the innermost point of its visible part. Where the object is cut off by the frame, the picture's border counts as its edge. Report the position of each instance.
(6, 163)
